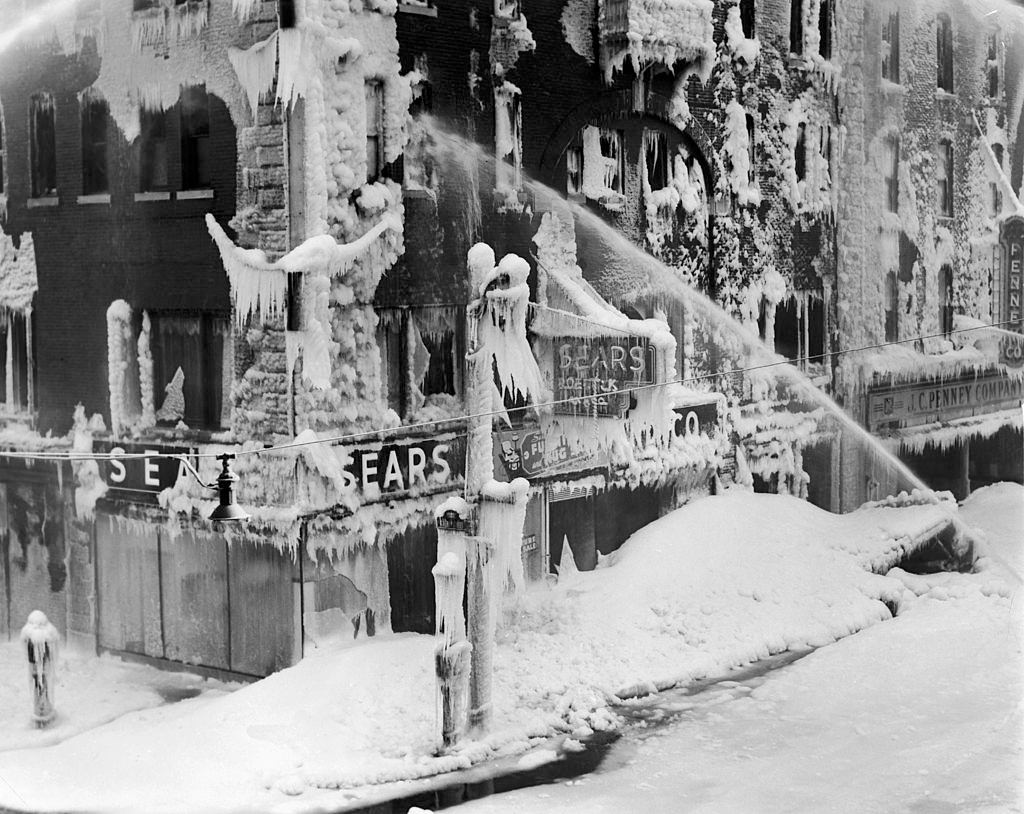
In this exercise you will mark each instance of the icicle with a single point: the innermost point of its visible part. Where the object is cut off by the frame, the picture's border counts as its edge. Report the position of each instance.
(502, 515)
(148, 416)
(255, 67)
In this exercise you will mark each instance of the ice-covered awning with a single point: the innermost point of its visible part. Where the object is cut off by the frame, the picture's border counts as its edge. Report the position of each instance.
(944, 434)
(18, 282)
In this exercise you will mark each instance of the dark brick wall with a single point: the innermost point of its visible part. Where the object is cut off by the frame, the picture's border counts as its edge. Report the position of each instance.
(152, 254)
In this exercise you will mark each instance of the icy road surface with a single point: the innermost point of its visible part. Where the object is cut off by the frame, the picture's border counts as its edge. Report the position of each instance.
(920, 714)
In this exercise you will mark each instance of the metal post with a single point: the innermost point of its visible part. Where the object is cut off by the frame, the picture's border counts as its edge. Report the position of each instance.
(40, 639)
(480, 630)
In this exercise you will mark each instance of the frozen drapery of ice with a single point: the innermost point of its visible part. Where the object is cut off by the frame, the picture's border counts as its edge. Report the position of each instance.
(119, 341)
(18, 282)
(260, 286)
(502, 327)
(41, 638)
(662, 31)
(737, 147)
(255, 67)
(89, 485)
(450, 572)
(502, 514)
(742, 48)
(148, 415)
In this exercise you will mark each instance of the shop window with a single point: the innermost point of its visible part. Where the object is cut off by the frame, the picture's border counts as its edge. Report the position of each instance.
(656, 158)
(188, 367)
(18, 384)
(946, 300)
(574, 170)
(892, 297)
(992, 65)
(95, 115)
(152, 151)
(196, 165)
(944, 53)
(944, 178)
(825, 29)
(796, 26)
(891, 170)
(42, 145)
(891, 47)
(800, 152)
(747, 18)
(373, 91)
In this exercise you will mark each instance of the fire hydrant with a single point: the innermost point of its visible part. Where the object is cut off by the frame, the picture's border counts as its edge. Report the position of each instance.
(40, 639)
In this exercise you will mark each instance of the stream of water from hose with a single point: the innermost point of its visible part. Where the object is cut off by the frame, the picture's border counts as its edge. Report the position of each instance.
(468, 160)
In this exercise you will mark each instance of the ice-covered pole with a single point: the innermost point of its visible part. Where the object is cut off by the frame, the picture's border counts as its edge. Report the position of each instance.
(40, 639)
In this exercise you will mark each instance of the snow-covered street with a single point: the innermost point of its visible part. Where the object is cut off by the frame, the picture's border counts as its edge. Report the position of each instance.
(923, 706)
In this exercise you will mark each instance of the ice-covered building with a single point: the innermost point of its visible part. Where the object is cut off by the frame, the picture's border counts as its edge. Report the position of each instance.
(233, 225)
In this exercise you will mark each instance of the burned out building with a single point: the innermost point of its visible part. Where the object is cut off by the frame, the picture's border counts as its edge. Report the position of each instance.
(229, 230)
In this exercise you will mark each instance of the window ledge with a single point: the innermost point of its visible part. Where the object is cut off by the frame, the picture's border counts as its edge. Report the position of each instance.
(419, 192)
(49, 200)
(98, 198)
(416, 8)
(152, 196)
(193, 194)
(942, 94)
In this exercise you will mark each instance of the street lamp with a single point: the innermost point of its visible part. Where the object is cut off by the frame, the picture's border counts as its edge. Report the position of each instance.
(227, 510)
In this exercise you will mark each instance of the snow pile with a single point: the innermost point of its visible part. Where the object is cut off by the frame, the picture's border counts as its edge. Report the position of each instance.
(716, 584)
(660, 31)
(18, 283)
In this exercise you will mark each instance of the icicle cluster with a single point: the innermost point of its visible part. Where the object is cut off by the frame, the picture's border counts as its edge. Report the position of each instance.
(502, 515)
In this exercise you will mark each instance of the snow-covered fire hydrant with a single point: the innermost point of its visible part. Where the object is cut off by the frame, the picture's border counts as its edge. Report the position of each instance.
(40, 639)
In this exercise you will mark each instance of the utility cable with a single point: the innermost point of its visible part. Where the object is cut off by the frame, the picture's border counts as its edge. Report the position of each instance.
(394, 431)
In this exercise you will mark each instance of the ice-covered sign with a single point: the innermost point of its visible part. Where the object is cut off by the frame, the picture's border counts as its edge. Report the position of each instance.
(1012, 238)
(531, 453)
(923, 403)
(405, 466)
(149, 474)
(595, 368)
(694, 419)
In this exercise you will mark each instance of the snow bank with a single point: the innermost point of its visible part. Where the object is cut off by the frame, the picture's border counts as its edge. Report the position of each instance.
(716, 584)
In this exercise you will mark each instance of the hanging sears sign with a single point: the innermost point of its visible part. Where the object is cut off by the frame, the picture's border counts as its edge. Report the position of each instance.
(594, 368)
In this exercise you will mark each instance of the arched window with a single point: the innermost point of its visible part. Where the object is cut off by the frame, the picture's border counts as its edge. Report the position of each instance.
(892, 298)
(944, 178)
(796, 26)
(944, 53)
(946, 300)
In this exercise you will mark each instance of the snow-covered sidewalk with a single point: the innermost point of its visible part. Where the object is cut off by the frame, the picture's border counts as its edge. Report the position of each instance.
(716, 584)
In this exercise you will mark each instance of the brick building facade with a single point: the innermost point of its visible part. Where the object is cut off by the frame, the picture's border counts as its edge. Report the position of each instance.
(168, 172)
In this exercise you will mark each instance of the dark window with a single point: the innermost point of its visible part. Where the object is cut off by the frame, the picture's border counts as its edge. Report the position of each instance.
(891, 168)
(143, 5)
(825, 148)
(196, 170)
(891, 47)
(946, 300)
(747, 18)
(787, 328)
(614, 160)
(892, 298)
(574, 170)
(825, 29)
(800, 152)
(16, 361)
(997, 151)
(656, 158)
(152, 150)
(944, 53)
(94, 147)
(796, 26)
(751, 138)
(992, 66)
(944, 178)
(42, 145)
(2, 155)
(374, 93)
(194, 344)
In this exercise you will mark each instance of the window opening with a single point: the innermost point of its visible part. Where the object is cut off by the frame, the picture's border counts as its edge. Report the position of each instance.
(944, 53)
(508, 138)
(796, 26)
(800, 152)
(574, 170)
(18, 383)
(992, 66)
(891, 48)
(747, 18)
(946, 300)
(196, 169)
(418, 168)
(2, 154)
(188, 367)
(892, 297)
(152, 150)
(825, 29)
(656, 158)
(42, 145)
(374, 97)
(751, 134)
(94, 146)
(944, 177)
(825, 149)
(614, 167)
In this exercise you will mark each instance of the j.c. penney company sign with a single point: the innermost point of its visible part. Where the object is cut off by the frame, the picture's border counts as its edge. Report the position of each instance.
(924, 403)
